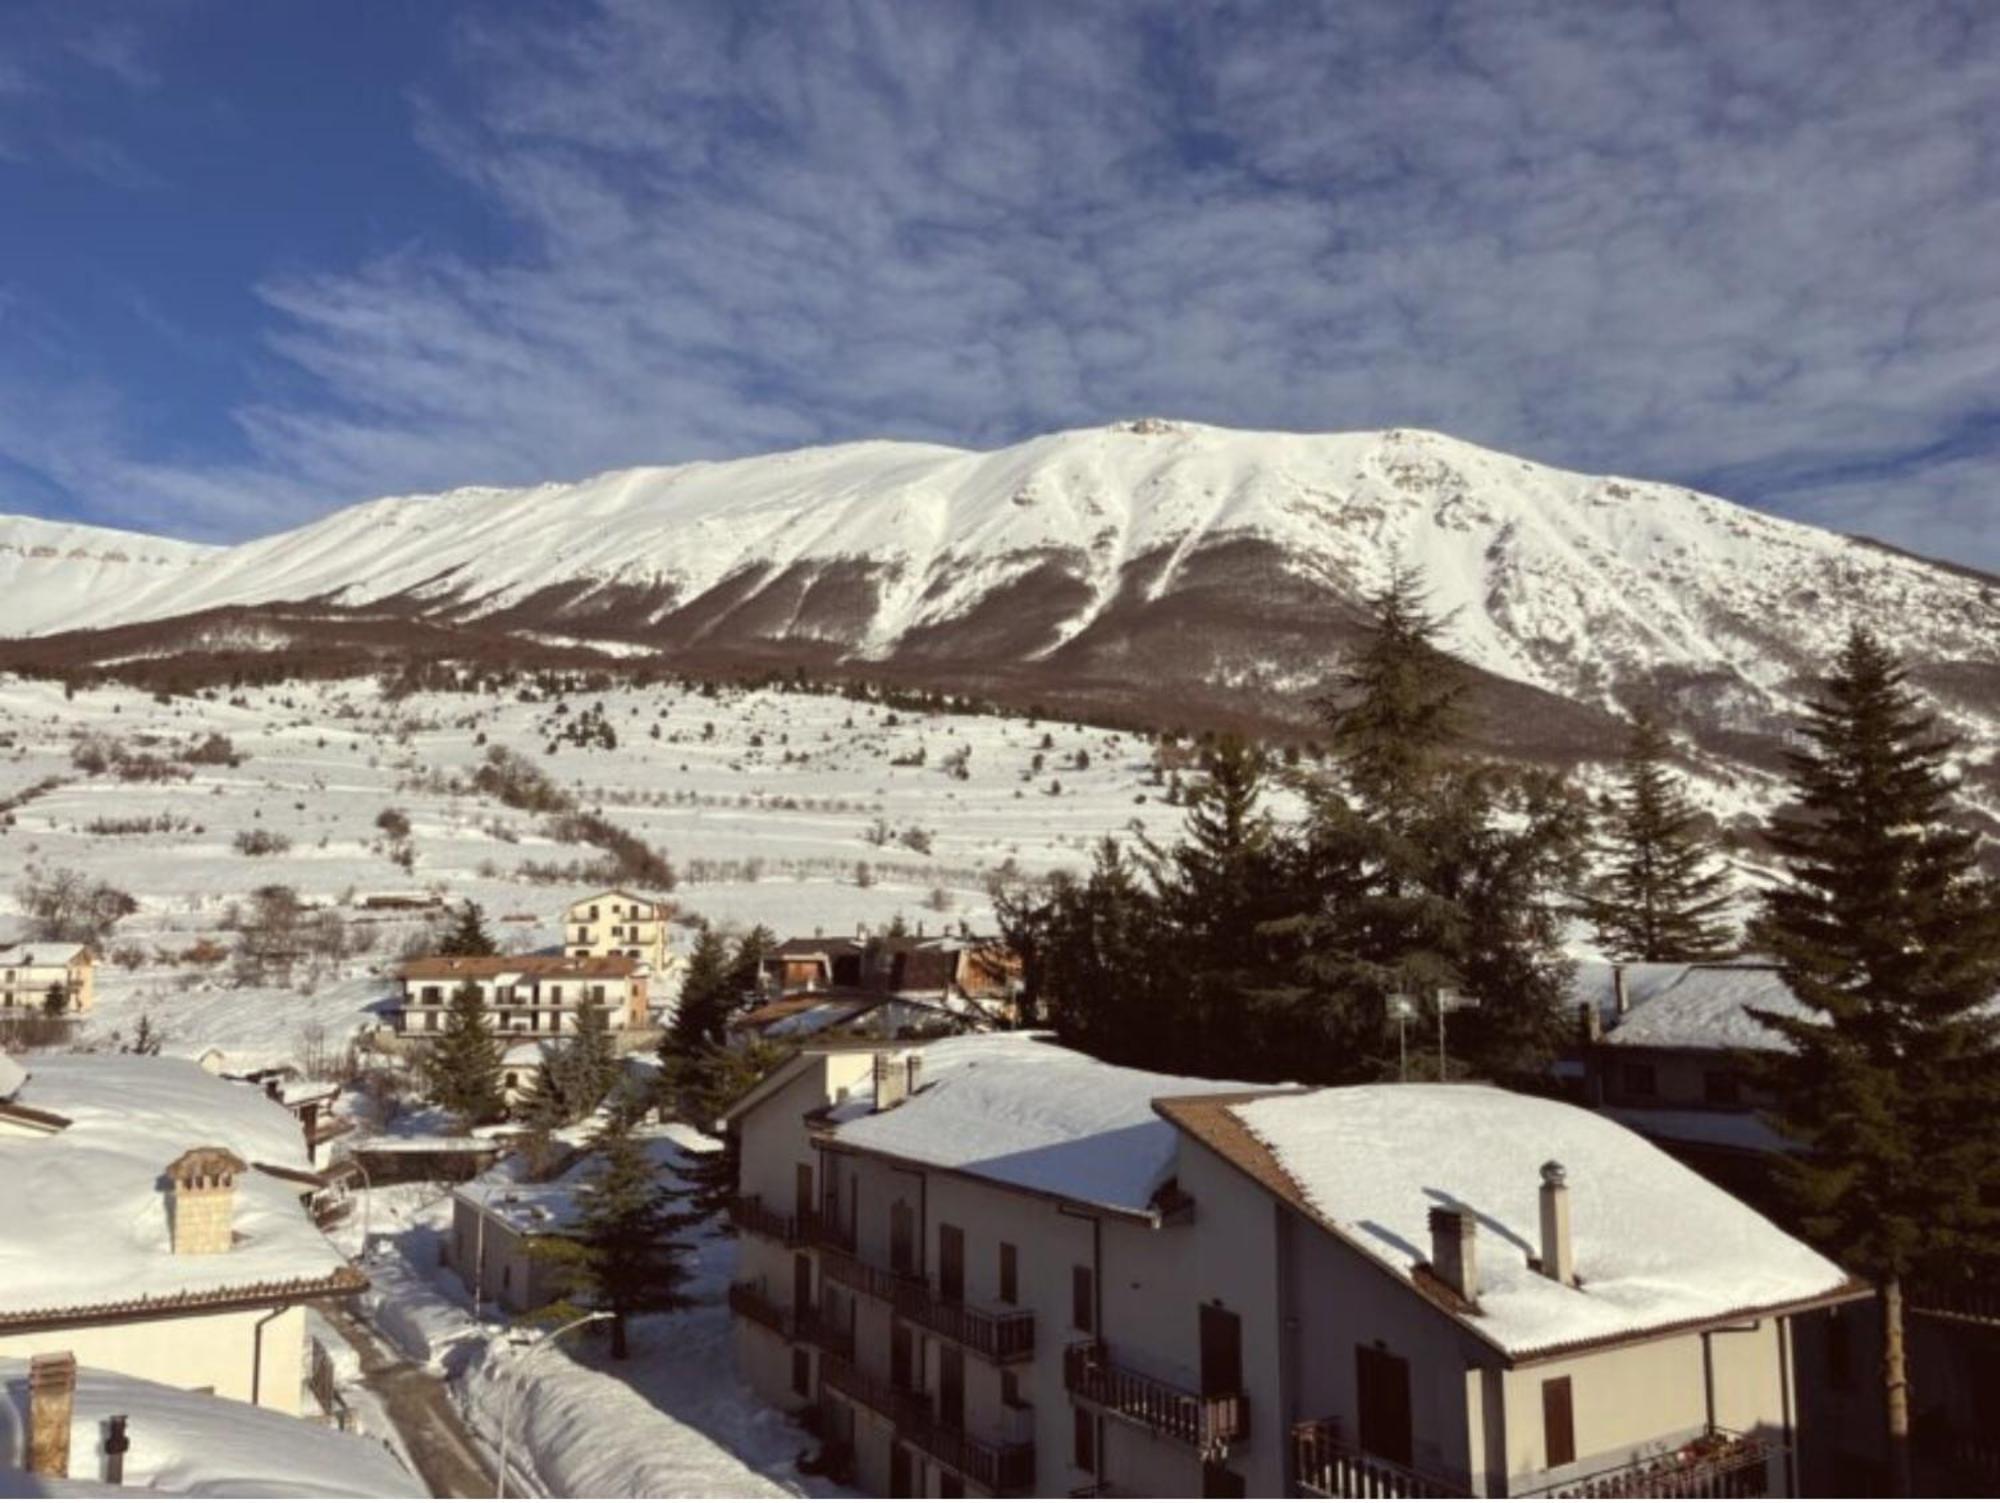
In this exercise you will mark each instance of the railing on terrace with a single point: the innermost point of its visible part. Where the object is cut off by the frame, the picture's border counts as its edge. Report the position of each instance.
(995, 1467)
(749, 1213)
(1208, 1422)
(753, 1303)
(1969, 1302)
(813, 1326)
(1325, 1464)
(997, 1335)
(1720, 1464)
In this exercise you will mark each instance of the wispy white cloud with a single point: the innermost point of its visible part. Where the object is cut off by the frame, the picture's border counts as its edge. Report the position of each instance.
(1740, 245)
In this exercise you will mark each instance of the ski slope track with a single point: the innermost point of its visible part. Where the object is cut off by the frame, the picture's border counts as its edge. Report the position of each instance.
(1162, 569)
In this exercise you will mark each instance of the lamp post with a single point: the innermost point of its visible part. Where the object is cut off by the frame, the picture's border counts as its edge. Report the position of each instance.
(1402, 1007)
(367, 1205)
(1449, 1001)
(479, 1257)
(507, 1407)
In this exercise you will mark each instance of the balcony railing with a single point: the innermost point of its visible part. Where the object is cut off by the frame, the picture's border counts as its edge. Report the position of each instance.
(1325, 1464)
(749, 1213)
(754, 1304)
(996, 1467)
(997, 1335)
(1208, 1422)
(1719, 1464)
(1967, 1302)
(814, 1327)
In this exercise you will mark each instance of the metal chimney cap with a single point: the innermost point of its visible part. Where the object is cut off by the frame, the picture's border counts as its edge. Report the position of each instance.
(1554, 1175)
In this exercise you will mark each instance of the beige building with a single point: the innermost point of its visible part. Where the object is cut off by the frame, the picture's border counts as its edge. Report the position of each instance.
(154, 1226)
(537, 996)
(618, 922)
(1000, 1267)
(28, 971)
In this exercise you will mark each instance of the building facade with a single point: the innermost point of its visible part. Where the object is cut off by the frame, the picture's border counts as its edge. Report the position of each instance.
(983, 1269)
(534, 996)
(624, 923)
(28, 972)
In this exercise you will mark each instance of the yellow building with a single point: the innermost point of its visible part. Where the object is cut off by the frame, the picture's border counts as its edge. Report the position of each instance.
(618, 922)
(28, 971)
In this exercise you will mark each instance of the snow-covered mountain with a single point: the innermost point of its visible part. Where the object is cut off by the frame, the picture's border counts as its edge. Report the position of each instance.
(1151, 562)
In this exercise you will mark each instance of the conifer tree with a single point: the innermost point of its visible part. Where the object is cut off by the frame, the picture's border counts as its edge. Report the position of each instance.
(467, 934)
(687, 1052)
(463, 1063)
(1884, 929)
(746, 965)
(590, 1060)
(1661, 896)
(622, 1253)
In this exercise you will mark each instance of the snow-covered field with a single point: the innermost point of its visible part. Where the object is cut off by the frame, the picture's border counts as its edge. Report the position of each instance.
(767, 803)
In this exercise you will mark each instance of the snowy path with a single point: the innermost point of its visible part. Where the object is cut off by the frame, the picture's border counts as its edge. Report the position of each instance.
(419, 1405)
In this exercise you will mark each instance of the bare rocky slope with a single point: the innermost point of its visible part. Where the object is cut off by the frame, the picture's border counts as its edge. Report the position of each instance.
(1163, 571)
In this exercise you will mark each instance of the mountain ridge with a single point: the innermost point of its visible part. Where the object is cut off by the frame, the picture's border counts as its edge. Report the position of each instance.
(1172, 562)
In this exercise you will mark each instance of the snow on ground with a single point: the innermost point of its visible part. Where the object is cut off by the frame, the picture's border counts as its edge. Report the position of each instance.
(1655, 1243)
(673, 1421)
(202, 1446)
(768, 803)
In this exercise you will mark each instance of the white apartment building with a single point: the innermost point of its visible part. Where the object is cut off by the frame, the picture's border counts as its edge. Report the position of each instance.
(996, 1266)
(29, 970)
(536, 996)
(153, 1226)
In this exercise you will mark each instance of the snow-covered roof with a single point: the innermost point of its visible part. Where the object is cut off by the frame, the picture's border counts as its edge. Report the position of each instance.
(539, 1209)
(42, 953)
(1656, 1245)
(1745, 1132)
(197, 1445)
(1703, 1007)
(87, 1224)
(1015, 1108)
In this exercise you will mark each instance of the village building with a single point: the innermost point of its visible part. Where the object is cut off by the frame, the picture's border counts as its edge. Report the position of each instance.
(531, 995)
(29, 971)
(618, 922)
(963, 973)
(850, 1013)
(155, 1226)
(993, 1265)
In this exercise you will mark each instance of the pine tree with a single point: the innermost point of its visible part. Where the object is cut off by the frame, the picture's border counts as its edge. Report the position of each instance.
(747, 965)
(1885, 931)
(1661, 896)
(621, 1255)
(591, 1060)
(463, 1063)
(467, 934)
(687, 1062)
(56, 1002)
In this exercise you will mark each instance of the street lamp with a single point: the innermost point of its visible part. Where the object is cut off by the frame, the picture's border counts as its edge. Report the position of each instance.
(535, 1344)
(367, 1205)
(1402, 1008)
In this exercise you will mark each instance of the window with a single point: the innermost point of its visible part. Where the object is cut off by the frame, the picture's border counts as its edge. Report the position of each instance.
(1839, 1351)
(506, 1275)
(1082, 1299)
(951, 1263)
(1083, 1440)
(1010, 1389)
(801, 1371)
(1010, 1274)
(1382, 1399)
(1217, 1481)
(950, 1485)
(1639, 1080)
(1558, 1423)
(902, 1237)
(1721, 1088)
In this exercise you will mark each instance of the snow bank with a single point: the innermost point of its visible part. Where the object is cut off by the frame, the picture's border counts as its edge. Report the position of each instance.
(1655, 1243)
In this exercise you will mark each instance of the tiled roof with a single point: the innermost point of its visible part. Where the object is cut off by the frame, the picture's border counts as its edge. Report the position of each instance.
(487, 967)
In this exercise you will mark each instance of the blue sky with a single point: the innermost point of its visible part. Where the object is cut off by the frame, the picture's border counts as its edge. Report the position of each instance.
(260, 258)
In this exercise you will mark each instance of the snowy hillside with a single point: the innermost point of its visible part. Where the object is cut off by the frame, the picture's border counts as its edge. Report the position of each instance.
(803, 812)
(46, 568)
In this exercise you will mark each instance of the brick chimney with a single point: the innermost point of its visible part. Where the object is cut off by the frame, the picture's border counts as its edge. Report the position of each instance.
(51, 1402)
(1621, 997)
(201, 1200)
(1558, 1261)
(1455, 1249)
(896, 1078)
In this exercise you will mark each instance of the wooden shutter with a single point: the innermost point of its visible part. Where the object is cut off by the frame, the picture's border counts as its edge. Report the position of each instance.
(1010, 1274)
(1383, 1382)
(951, 1262)
(1558, 1423)
(1221, 1351)
(1082, 1301)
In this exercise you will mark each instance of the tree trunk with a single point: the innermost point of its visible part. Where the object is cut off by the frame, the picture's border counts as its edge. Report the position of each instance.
(1896, 1388)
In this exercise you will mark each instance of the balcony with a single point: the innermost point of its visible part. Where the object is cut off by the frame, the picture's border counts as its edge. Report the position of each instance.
(748, 1213)
(997, 1335)
(752, 1303)
(997, 1468)
(1209, 1423)
(1720, 1464)
(1327, 1465)
(815, 1328)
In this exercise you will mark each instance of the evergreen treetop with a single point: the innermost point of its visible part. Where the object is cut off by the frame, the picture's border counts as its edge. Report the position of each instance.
(1661, 895)
(467, 934)
(463, 1062)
